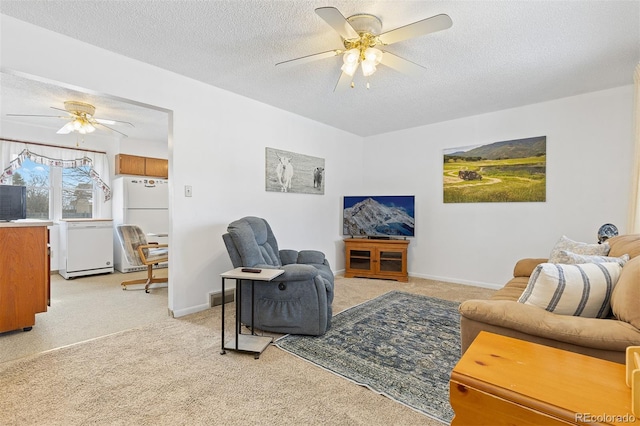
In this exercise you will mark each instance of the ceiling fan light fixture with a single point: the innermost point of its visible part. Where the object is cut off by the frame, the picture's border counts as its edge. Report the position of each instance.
(350, 68)
(368, 67)
(87, 128)
(373, 54)
(79, 108)
(81, 119)
(68, 128)
(351, 59)
(372, 57)
(361, 33)
(365, 23)
(351, 56)
(80, 125)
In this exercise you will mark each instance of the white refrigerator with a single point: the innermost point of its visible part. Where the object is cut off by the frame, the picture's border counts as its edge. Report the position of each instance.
(142, 201)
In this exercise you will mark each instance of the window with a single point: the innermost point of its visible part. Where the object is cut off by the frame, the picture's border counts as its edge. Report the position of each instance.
(77, 193)
(72, 198)
(36, 178)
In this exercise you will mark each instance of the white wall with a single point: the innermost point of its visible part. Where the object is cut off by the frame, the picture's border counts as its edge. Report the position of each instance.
(141, 147)
(217, 144)
(589, 160)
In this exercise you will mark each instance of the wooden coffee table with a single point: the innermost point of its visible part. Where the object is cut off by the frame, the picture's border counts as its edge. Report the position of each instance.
(505, 381)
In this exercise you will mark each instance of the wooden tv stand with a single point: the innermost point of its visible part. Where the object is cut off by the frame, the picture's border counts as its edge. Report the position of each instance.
(373, 258)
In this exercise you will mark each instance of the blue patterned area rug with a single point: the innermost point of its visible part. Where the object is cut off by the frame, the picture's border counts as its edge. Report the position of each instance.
(400, 345)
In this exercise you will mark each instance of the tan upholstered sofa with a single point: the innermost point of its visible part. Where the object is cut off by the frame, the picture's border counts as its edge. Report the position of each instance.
(601, 338)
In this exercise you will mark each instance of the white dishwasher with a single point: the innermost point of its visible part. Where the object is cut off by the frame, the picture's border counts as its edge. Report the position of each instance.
(86, 247)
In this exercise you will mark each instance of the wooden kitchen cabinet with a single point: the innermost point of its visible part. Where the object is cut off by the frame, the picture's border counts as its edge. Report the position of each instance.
(372, 258)
(156, 167)
(129, 165)
(141, 166)
(24, 274)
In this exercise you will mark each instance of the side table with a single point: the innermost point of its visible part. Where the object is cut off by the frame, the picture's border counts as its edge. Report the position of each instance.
(505, 381)
(250, 343)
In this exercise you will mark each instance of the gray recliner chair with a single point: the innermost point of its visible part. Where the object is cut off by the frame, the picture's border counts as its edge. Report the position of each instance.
(296, 302)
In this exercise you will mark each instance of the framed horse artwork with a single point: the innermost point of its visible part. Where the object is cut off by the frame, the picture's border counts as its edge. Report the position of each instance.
(292, 172)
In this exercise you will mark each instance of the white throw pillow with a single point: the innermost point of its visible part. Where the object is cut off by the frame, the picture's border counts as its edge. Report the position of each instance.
(574, 258)
(576, 247)
(579, 290)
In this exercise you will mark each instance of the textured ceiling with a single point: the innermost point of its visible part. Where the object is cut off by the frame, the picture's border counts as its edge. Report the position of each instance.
(497, 55)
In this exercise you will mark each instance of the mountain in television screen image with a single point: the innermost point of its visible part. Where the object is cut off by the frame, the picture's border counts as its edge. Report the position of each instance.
(507, 171)
(379, 216)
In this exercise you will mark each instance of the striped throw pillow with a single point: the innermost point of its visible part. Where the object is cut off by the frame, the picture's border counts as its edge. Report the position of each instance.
(580, 290)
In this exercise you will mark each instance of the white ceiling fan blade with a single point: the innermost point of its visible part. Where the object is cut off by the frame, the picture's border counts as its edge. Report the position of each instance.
(97, 123)
(37, 115)
(67, 128)
(337, 21)
(416, 29)
(402, 65)
(344, 83)
(63, 110)
(111, 122)
(309, 58)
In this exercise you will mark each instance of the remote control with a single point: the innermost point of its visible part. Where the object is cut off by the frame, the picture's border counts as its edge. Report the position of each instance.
(252, 270)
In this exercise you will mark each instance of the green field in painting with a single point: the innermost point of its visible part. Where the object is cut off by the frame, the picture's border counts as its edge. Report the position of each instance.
(509, 180)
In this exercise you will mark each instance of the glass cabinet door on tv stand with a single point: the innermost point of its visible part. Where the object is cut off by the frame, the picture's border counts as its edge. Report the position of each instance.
(372, 258)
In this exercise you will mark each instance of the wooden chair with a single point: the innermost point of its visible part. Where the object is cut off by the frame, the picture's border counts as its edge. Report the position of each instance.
(140, 252)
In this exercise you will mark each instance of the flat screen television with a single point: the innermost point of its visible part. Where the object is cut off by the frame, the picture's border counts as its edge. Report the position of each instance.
(13, 202)
(379, 216)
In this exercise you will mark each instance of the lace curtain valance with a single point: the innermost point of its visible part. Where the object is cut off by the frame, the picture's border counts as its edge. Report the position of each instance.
(13, 155)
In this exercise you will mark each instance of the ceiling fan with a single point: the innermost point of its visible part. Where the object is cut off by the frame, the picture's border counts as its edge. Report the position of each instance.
(364, 44)
(81, 118)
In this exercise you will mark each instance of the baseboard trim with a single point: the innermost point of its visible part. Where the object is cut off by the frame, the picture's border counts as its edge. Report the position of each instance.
(492, 286)
(190, 310)
(215, 297)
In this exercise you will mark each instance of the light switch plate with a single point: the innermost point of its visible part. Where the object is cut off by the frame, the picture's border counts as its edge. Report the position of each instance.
(188, 191)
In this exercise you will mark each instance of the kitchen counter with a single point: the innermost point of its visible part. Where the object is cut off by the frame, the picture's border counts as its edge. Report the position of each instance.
(25, 222)
(86, 220)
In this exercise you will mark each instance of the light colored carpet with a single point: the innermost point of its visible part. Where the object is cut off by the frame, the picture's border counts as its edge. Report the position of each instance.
(171, 372)
(85, 308)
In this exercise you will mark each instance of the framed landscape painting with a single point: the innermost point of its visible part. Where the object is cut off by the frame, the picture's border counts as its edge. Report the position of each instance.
(291, 172)
(507, 171)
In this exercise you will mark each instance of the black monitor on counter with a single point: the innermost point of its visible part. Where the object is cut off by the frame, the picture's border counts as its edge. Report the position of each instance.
(13, 202)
